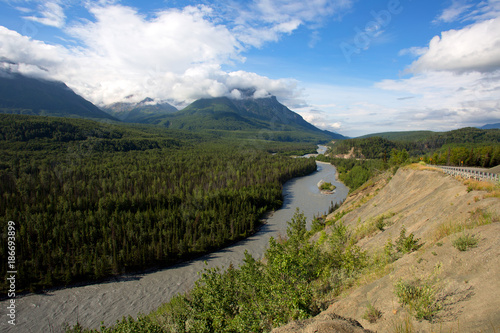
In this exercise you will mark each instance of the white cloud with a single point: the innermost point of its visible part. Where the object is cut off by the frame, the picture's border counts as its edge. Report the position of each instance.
(464, 10)
(264, 21)
(456, 10)
(446, 100)
(473, 48)
(414, 51)
(352, 110)
(173, 54)
(51, 14)
(456, 79)
(438, 101)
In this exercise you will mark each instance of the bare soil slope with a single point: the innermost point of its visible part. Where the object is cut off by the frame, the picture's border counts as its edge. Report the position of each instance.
(436, 208)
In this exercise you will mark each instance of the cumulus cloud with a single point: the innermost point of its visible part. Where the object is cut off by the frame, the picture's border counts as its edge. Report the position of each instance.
(414, 51)
(172, 54)
(473, 48)
(176, 55)
(455, 80)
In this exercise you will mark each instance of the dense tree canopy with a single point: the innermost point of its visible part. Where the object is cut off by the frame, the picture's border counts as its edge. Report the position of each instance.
(89, 205)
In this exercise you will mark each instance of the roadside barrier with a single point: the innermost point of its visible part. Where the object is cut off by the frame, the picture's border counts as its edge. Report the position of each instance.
(469, 173)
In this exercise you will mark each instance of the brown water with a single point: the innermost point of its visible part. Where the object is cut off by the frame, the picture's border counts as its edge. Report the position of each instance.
(142, 293)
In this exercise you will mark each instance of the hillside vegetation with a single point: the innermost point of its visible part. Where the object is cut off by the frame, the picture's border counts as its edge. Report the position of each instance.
(425, 283)
(466, 146)
(391, 257)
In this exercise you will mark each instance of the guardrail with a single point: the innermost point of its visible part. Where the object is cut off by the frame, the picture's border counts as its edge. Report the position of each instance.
(468, 173)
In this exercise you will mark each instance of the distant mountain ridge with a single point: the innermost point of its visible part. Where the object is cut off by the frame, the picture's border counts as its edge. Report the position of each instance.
(490, 126)
(20, 94)
(401, 135)
(139, 112)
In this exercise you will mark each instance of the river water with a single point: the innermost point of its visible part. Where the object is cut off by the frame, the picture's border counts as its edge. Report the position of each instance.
(141, 293)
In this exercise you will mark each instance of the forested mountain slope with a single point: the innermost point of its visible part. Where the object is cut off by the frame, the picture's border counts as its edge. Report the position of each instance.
(274, 120)
(24, 95)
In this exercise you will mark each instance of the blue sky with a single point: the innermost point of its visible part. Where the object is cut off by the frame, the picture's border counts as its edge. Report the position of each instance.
(354, 67)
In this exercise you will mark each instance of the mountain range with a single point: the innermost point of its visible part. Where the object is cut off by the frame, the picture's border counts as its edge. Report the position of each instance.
(30, 96)
(490, 126)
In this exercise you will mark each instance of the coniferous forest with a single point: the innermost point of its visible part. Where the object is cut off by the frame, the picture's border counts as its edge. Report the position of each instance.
(91, 200)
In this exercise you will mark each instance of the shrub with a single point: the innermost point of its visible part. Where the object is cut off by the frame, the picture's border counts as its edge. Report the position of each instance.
(404, 244)
(419, 297)
(380, 224)
(465, 242)
(407, 244)
(372, 314)
(389, 251)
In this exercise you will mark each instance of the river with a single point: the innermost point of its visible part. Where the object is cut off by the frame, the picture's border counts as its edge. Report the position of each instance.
(142, 293)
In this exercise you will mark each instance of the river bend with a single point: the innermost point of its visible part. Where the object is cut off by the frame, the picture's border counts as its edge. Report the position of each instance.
(142, 293)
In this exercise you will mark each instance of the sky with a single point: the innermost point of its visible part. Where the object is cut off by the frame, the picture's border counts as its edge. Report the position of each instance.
(350, 66)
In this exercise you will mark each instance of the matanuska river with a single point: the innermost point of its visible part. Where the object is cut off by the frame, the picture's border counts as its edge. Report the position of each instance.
(142, 293)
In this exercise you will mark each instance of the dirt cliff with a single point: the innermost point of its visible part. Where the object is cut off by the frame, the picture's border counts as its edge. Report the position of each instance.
(439, 210)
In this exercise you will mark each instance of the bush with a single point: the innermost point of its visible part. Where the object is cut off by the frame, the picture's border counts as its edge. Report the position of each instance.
(407, 244)
(380, 223)
(419, 297)
(465, 242)
(372, 314)
(404, 244)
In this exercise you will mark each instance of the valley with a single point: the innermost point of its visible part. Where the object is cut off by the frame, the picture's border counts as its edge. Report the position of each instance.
(145, 199)
(143, 292)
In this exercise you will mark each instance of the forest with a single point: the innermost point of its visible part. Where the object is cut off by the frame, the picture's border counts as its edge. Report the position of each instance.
(91, 200)
(467, 146)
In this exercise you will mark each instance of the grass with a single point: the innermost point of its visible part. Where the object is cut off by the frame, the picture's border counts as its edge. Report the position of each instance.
(477, 218)
(465, 242)
(407, 244)
(420, 167)
(419, 297)
(371, 226)
(492, 189)
(480, 185)
(403, 325)
(372, 314)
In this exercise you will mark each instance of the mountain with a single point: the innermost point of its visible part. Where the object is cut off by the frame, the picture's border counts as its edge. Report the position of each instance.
(248, 114)
(20, 94)
(490, 126)
(141, 112)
